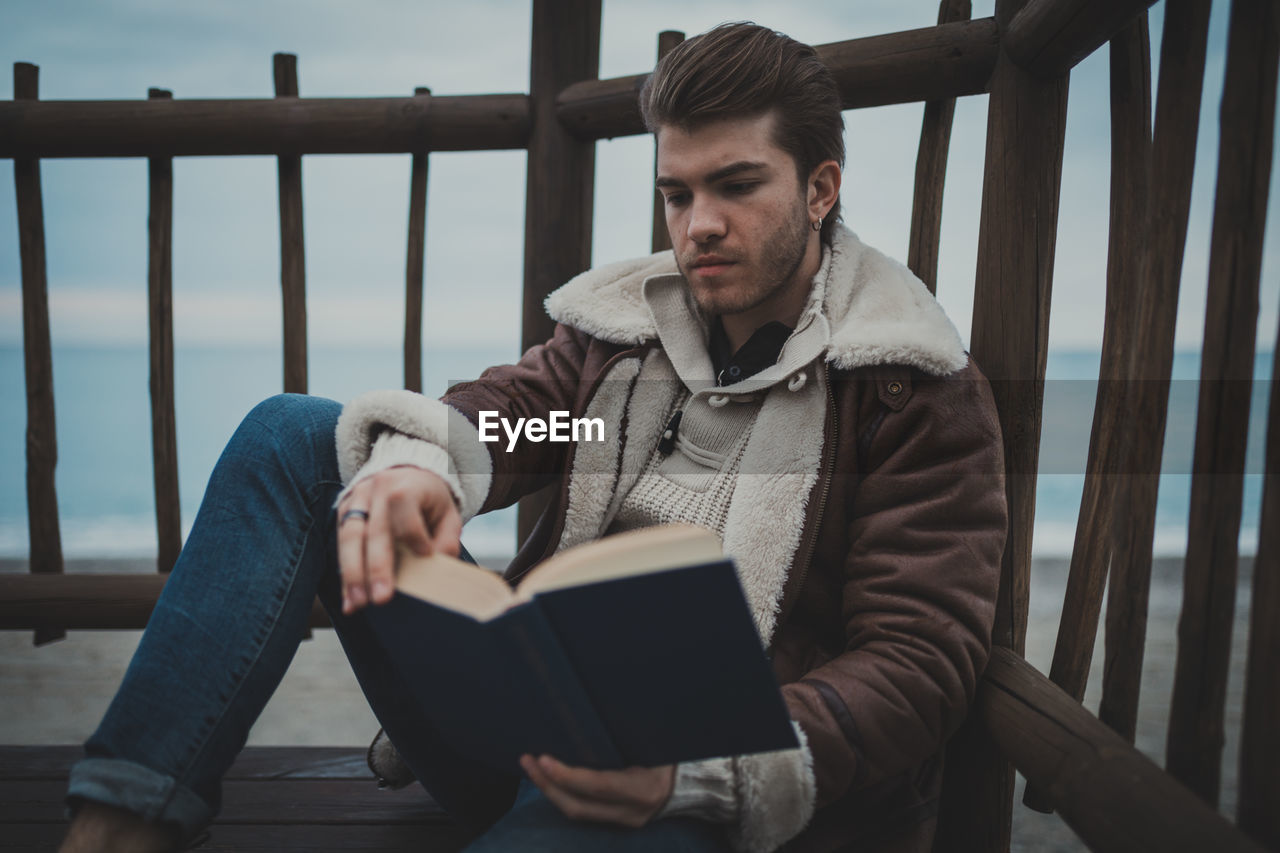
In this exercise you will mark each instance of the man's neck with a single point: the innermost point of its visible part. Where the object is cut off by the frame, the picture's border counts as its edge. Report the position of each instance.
(739, 331)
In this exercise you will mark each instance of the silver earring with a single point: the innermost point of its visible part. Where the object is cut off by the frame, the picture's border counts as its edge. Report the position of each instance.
(816, 226)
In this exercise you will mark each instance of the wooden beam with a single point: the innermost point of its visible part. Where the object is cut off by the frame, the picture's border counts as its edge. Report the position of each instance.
(293, 263)
(43, 532)
(931, 169)
(932, 63)
(89, 601)
(1092, 550)
(602, 109)
(254, 762)
(559, 197)
(1130, 156)
(660, 238)
(561, 170)
(1247, 126)
(1018, 233)
(1258, 809)
(226, 836)
(1048, 37)
(414, 263)
(926, 64)
(1173, 149)
(1114, 797)
(164, 430)
(261, 803)
(1026, 123)
(259, 126)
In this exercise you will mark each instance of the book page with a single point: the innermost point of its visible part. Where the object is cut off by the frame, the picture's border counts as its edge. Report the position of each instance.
(635, 552)
(453, 584)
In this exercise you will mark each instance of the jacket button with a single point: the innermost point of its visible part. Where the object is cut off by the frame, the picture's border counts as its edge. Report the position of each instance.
(895, 388)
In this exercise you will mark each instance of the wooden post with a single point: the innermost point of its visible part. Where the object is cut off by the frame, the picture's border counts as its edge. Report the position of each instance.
(413, 282)
(931, 169)
(561, 172)
(1259, 806)
(667, 40)
(1173, 150)
(164, 434)
(45, 536)
(293, 261)
(293, 267)
(1026, 121)
(1091, 553)
(1226, 374)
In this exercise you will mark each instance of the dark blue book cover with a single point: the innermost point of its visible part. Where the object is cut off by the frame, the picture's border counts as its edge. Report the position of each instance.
(643, 670)
(673, 664)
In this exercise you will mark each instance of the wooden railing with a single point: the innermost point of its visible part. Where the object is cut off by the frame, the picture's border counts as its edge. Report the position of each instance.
(1084, 767)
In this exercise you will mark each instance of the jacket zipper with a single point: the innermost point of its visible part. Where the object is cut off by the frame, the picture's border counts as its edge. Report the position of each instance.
(811, 539)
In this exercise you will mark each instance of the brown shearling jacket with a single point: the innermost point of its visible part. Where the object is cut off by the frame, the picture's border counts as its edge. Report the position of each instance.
(889, 514)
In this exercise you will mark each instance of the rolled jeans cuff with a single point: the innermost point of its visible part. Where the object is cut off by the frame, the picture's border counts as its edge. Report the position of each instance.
(153, 796)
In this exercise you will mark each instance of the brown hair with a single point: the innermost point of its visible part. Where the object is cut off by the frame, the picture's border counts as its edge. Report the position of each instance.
(743, 69)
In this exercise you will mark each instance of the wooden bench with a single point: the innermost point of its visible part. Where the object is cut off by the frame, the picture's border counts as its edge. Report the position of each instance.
(305, 799)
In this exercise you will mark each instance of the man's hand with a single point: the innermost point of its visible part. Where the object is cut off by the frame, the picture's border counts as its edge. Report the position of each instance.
(630, 797)
(399, 506)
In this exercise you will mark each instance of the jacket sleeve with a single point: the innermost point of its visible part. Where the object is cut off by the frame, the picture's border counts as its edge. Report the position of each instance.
(382, 429)
(546, 379)
(926, 530)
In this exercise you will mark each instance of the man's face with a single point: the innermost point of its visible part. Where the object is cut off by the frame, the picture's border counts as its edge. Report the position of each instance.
(737, 215)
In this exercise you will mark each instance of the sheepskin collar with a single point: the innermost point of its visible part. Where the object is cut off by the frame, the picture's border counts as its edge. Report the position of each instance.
(878, 312)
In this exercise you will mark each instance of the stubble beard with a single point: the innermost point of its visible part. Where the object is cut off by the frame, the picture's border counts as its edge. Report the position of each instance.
(780, 257)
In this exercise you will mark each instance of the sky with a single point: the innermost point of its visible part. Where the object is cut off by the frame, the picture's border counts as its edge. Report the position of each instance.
(226, 239)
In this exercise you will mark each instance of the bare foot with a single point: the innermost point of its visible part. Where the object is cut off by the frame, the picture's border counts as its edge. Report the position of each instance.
(97, 828)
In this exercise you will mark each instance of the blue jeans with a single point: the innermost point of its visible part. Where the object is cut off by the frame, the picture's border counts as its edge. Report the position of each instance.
(226, 627)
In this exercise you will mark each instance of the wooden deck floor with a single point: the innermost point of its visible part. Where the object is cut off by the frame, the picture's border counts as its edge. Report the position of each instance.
(312, 799)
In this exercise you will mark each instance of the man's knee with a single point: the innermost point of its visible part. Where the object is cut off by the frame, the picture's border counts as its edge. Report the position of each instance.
(297, 417)
(295, 427)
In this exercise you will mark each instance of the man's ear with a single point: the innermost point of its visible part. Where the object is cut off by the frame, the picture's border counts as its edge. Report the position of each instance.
(824, 188)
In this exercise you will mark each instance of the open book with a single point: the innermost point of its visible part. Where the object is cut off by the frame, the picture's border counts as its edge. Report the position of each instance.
(637, 649)
(477, 592)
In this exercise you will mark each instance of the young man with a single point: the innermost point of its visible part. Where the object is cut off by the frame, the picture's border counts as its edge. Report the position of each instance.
(772, 379)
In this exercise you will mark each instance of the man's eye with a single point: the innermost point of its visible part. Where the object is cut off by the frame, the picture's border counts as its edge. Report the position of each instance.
(677, 199)
(741, 187)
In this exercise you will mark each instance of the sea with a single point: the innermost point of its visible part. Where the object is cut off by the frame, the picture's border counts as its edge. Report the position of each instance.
(104, 471)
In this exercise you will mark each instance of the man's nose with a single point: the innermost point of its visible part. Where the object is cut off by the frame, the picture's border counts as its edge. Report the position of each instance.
(706, 221)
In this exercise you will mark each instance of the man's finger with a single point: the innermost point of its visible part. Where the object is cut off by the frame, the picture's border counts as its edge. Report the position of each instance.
(577, 807)
(604, 786)
(351, 549)
(379, 549)
(409, 527)
(448, 531)
(440, 515)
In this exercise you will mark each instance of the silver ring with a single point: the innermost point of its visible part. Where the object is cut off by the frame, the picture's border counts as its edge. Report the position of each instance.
(353, 513)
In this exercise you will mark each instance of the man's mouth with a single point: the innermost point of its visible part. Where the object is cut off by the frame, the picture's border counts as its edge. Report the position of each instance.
(709, 265)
